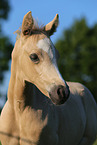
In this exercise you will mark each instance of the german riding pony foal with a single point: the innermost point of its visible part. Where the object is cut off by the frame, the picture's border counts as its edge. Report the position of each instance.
(65, 115)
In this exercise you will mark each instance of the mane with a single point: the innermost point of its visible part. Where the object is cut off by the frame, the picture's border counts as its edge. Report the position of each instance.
(37, 27)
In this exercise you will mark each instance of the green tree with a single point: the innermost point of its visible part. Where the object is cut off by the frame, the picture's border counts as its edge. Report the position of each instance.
(5, 44)
(78, 51)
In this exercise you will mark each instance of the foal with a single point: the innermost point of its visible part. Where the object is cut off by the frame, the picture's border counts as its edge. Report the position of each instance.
(30, 118)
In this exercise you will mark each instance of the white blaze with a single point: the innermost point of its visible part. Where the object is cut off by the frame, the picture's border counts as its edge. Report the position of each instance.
(46, 45)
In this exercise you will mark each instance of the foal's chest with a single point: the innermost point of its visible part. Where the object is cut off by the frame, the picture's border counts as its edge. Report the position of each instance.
(37, 130)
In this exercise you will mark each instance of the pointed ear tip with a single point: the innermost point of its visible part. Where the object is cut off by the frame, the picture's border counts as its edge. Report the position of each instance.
(57, 15)
(29, 13)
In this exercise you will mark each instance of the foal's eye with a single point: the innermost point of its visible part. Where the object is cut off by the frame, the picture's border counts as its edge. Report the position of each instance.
(34, 57)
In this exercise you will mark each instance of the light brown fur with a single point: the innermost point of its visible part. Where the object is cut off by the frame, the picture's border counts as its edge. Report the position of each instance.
(29, 117)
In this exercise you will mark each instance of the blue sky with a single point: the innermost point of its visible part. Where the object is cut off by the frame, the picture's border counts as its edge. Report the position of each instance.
(45, 10)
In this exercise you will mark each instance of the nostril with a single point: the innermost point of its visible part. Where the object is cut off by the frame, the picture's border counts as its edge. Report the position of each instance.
(61, 92)
(58, 91)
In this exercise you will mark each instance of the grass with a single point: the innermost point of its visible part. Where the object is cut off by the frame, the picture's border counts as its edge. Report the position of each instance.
(95, 142)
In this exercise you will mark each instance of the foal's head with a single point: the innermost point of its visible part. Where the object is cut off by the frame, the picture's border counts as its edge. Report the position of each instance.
(35, 56)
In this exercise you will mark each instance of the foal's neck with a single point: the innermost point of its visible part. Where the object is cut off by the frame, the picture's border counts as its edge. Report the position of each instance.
(16, 85)
(24, 93)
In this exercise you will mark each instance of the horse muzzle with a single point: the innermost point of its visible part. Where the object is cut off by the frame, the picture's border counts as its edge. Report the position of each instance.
(59, 94)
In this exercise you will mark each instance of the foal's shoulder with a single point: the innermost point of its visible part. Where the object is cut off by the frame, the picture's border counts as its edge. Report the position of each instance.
(82, 91)
(76, 88)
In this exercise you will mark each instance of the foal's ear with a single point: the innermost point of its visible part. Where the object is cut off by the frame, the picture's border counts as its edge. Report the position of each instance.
(51, 27)
(27, 23)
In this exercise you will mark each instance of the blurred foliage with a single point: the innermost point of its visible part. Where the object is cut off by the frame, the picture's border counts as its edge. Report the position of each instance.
(78, 54)
(95, 143)
(4, 9)
(5, 44)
